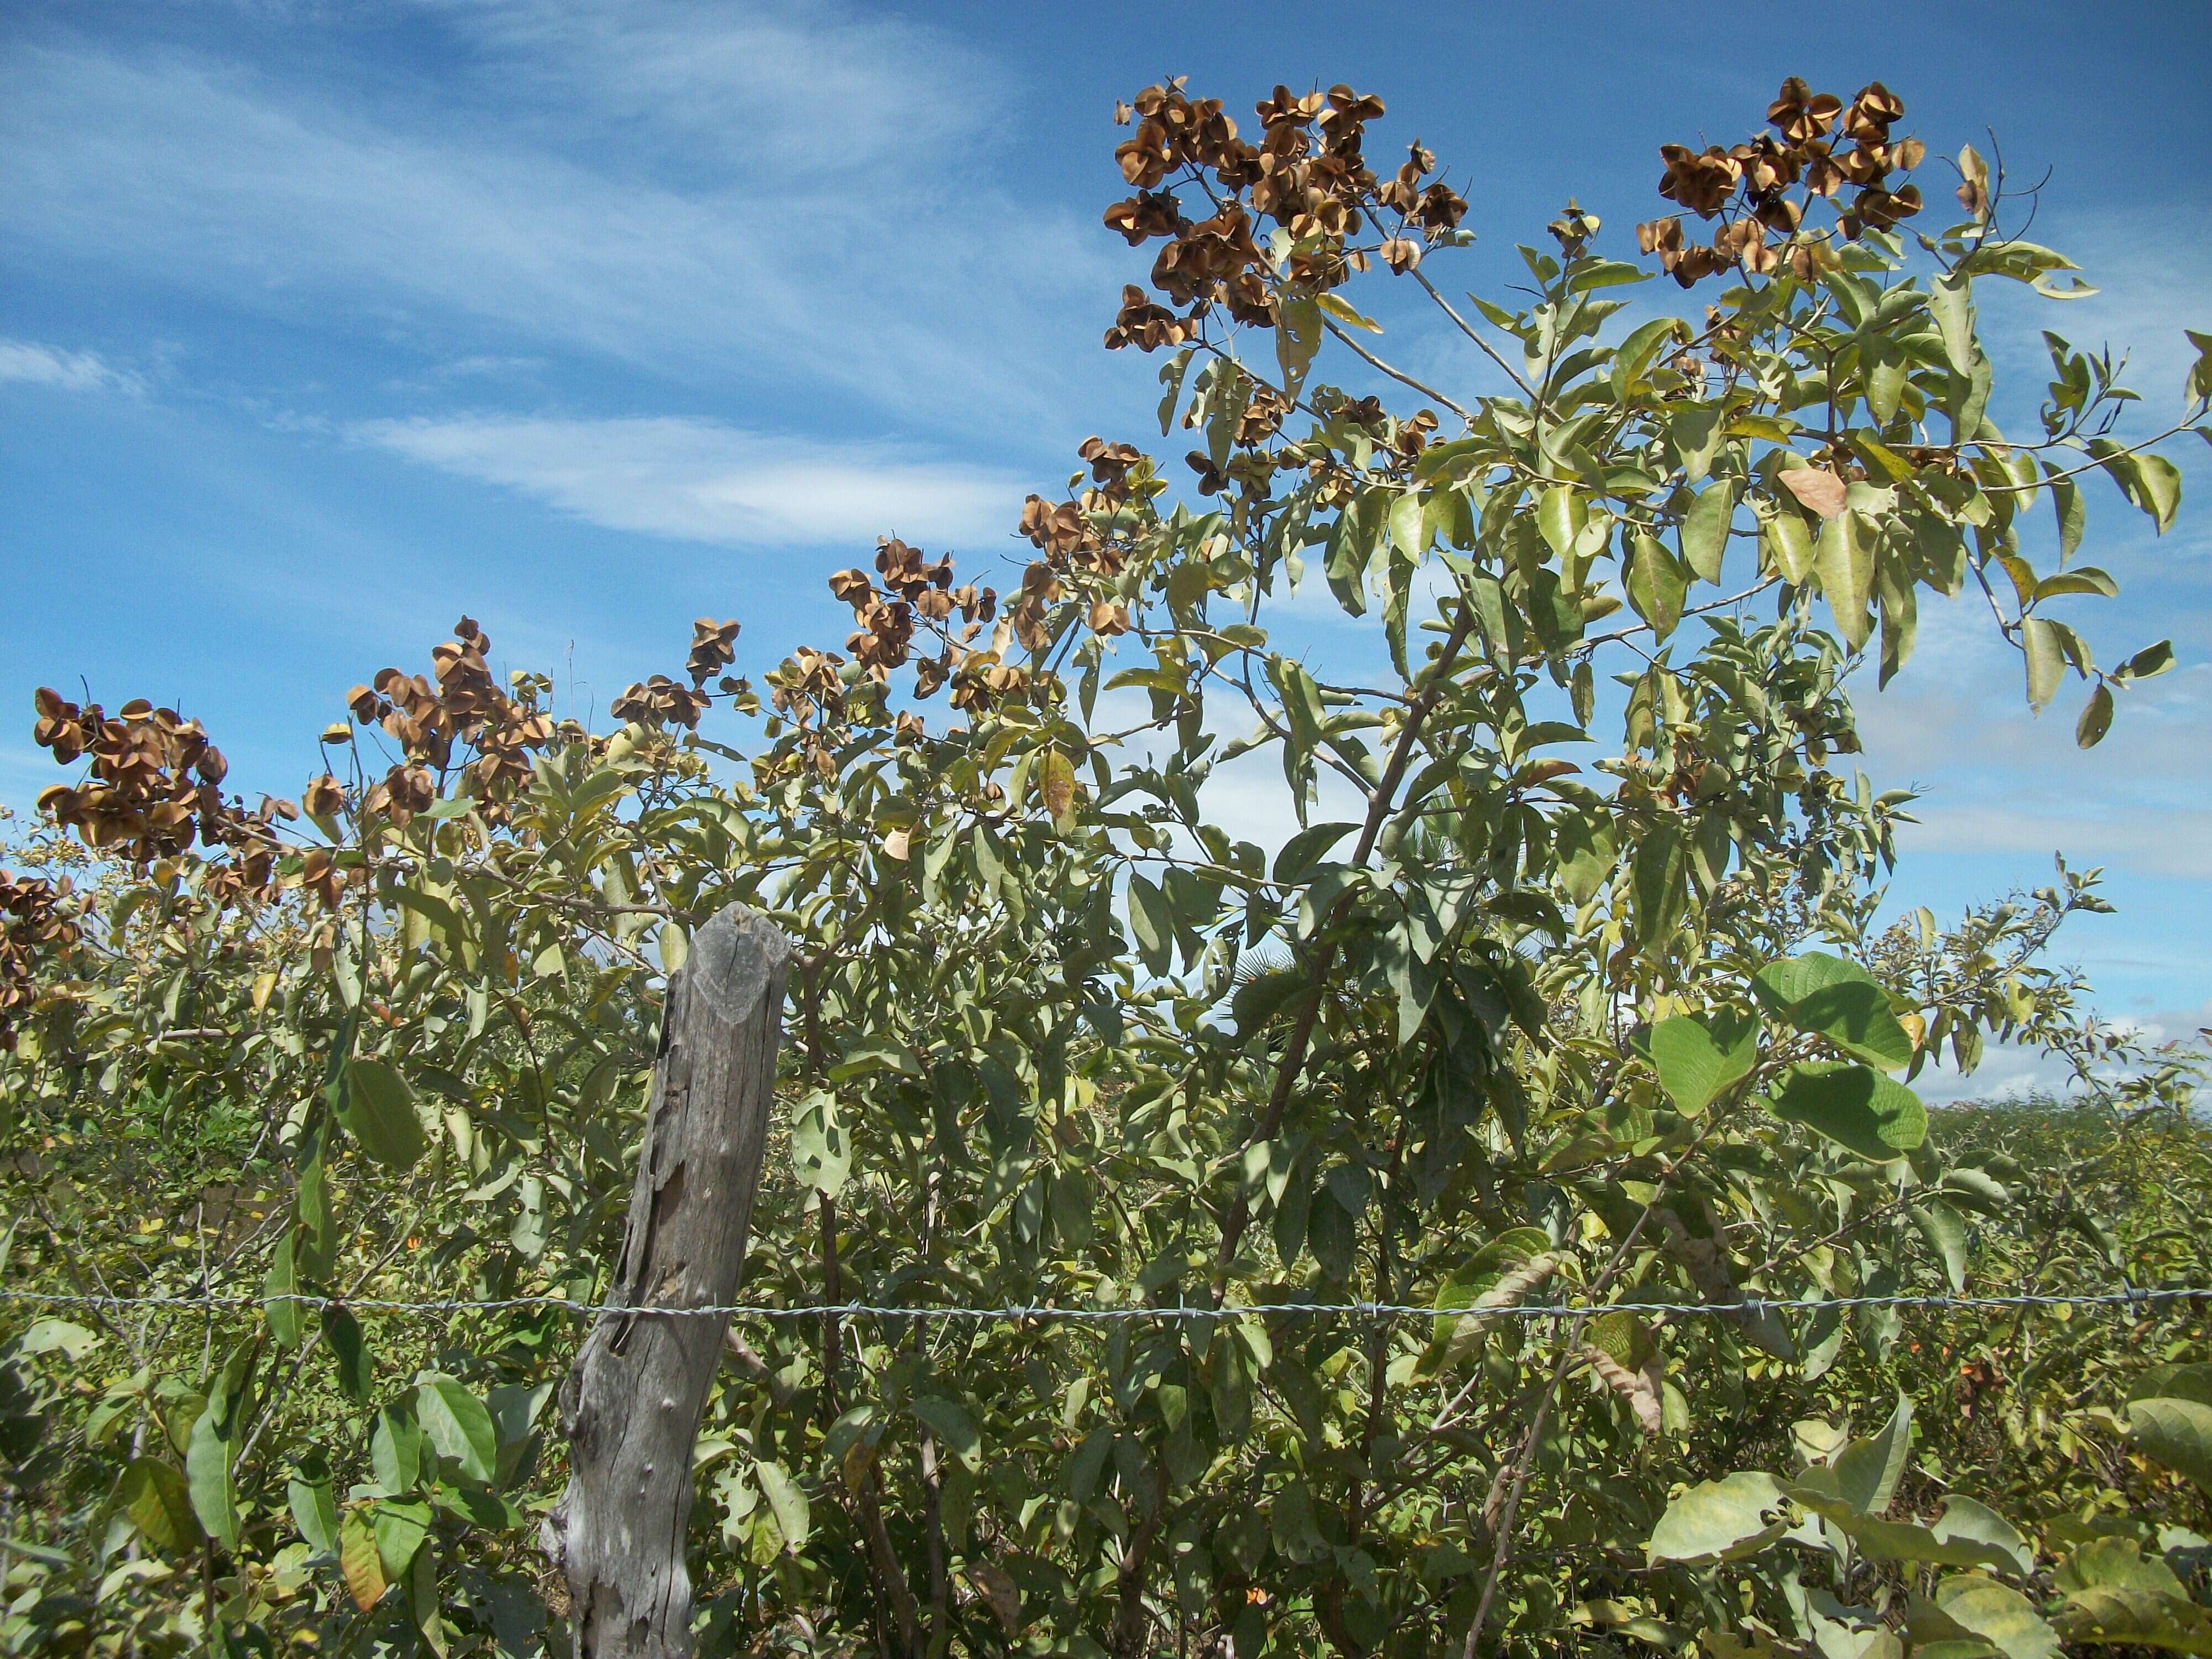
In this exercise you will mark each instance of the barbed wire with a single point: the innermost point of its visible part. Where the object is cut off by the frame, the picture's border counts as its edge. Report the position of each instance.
(2129, 1296)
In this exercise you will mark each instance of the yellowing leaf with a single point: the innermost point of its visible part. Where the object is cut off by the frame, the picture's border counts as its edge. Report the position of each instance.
(358, 1561)
(1057, 783)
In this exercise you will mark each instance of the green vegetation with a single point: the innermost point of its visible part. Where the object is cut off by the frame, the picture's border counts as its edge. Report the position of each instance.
(1552, 1017)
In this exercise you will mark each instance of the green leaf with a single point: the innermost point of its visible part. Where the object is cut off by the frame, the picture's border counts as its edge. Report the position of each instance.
(395, 1448)
(1336, 307)
(2160, 485)
(787, 1501)
(1951, 302)
(2177, 1432)
(1297, 337)
(1657, 584)
(1638, 350)
(2117, 1564)
(1307, 848)
(2096, 717)
(399, 1529)
(1660, 879)
(380, 1113)
(2147, 663)
(1857, 1108)
(1151, 924)
(2199, 386)
(159, 1501)
(1405, 524)
(1868, 1472)
(1790, 544)
(457, 1424)
(314, 1510)
(1724, 1520)
(1844, 557)
(286, 1316)
(1302, 716)
(1698, 1055)
(1965, 1536)
(2043, 646)
(1945, 1231)
(57, 1336)
(821, 1144)
(1704, 529)
(213, 1443)
(1560, 515)
(954, 1426)
(1695, 431)
(1832, 997)
(2083, 579)
(1604, 273)
(349, 1348)
(1088, 1463)
(2072, 515)
(2136, 1618)
(1997, 1614)
(1966, 1522)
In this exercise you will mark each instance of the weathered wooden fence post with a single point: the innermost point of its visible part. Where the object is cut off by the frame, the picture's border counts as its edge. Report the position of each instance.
(632, 1404)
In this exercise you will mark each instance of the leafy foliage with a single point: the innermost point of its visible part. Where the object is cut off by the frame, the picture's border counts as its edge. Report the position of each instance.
(1526, 1028)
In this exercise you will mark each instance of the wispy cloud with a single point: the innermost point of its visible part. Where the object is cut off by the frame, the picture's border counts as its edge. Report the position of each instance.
(699, 481)
(67, 371)
(712, 194)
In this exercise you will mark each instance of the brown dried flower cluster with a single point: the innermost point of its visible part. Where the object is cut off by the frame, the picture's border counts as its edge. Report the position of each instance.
(909, 589)
(35, 915)
(1843, 153)
(153, 786)
(660, 700)
(1306, 175)
(808, 689)
(428, 722)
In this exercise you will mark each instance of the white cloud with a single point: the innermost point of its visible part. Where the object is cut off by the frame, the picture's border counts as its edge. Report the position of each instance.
(796, 204)
(67, 371)
(699, 480)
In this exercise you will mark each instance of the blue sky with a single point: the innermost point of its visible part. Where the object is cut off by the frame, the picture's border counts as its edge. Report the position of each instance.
(323, 324)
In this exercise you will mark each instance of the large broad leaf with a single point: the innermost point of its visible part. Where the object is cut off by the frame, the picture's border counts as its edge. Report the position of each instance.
(1698, 1055)
(787, 1501)
(315, 1509)
(72, 1342)
(2136, 1618)
(154, 1496)
(1150, 924)
(1966, 1535)
(2178, 1433)
(1999, 1615)
(1722, 1520)
(280, 1290)
(821, 1144)
(2117, 1564)
(1854, 1106)
(2174, 1383)
(1828, 996)
(1869, 1470)
(954, 1426)
(459, 1426)
(212, 1444)
(1945, 1230)
(400, 1530)
(379, 1114)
